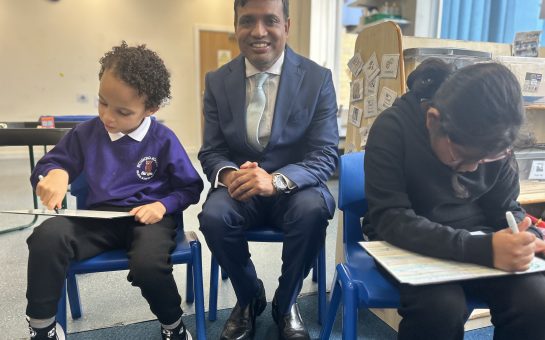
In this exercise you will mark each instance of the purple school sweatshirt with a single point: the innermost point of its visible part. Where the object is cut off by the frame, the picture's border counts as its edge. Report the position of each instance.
(125, 172)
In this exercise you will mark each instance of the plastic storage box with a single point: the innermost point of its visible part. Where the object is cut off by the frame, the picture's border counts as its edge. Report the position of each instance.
(458, 56)
(531, 164)
(530, 73)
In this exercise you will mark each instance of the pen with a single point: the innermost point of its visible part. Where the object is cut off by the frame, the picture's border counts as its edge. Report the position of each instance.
(511, 222)
(40, 177)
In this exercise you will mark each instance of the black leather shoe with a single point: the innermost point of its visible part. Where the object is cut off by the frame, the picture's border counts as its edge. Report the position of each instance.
(241, 322)
(290, 326)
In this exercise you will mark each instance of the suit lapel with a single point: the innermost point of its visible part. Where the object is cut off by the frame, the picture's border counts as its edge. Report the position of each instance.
(288, 88)
(235, 88)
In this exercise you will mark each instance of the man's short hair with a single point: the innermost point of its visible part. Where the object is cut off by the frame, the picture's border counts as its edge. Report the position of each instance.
(242, 3)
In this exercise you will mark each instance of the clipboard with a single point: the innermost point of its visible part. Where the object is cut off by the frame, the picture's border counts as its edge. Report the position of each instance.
(71, 213)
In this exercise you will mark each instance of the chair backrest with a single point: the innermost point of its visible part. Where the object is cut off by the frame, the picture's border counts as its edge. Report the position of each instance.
(79, 189)
(352, 200)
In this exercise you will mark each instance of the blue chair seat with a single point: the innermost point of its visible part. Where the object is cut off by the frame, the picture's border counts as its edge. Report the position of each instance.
(188, 251)
(114, 260)
(372, 287)
(264, 234)
(269, 234)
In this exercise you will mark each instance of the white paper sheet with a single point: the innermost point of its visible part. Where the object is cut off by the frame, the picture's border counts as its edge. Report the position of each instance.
(416, 269)
(386, 98)
(356, 90)
(371, 68)
(389, 65)
(71, 213)
(538, 170)
(355, 64)
(370, 107)
(354, 115)
(371, 87)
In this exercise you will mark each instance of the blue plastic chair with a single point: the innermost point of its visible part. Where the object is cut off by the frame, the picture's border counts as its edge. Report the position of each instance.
(188, 251)
(358, 282)
(268, 234)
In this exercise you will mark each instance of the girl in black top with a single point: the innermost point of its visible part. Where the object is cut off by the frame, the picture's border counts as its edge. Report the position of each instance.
(439, 165)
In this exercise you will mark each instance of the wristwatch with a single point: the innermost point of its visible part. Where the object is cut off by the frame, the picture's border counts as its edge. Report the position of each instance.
(280, 183)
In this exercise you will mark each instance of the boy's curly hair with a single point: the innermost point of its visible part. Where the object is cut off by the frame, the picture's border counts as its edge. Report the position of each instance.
(140, 68)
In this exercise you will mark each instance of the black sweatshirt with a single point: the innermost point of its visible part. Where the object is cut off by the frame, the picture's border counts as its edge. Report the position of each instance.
(411, 199)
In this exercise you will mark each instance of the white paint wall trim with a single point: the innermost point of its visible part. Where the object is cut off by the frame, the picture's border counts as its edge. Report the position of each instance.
(197, 62)
(325, 32)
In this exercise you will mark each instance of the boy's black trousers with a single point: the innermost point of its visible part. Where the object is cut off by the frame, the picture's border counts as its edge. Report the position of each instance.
(60, 240)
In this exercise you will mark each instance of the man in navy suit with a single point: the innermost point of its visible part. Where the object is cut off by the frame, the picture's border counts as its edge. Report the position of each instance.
(271, 170)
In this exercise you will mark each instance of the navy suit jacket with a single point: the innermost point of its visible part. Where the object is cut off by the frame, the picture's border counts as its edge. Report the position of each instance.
(304, 135)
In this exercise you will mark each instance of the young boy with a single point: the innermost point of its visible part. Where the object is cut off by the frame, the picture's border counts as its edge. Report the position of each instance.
(131, 163)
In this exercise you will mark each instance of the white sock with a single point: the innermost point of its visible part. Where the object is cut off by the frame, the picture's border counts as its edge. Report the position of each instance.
(40, 323)
(172, 325)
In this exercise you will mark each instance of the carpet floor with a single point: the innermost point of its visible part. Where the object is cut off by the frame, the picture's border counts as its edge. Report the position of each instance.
(370, 327)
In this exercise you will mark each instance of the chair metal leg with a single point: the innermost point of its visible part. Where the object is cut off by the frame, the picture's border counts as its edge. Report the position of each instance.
(61, 308)
(213, 296)
(335, 299)
(21, 227)
(73, 295)
(322, 299)
(189, 283)
(198, 288)
(34, 199)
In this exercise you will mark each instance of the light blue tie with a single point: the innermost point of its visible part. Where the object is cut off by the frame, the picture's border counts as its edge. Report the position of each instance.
(255, 110)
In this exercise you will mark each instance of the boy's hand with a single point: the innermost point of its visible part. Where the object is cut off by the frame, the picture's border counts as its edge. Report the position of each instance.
(52, 188)
(149, 213)
(514, 252)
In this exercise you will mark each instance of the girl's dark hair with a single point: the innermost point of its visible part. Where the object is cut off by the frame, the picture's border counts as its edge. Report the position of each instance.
(427, 77)
(140, 68)
(480, 105)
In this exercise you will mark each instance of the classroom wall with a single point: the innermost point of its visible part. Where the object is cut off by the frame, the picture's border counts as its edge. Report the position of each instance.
(49, 52)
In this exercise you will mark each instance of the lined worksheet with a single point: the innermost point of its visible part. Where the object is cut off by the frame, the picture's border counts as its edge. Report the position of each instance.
(415, 269)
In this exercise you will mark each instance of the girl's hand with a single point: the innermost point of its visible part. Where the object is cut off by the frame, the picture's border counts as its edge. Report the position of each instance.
(514, 252)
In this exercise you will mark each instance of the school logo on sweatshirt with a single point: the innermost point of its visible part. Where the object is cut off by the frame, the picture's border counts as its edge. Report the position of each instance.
(146, 168)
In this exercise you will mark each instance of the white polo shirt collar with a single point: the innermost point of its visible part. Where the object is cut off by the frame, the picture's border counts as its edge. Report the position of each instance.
(137, 134)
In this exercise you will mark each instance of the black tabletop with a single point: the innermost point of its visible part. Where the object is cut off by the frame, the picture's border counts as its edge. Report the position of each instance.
(28, 133)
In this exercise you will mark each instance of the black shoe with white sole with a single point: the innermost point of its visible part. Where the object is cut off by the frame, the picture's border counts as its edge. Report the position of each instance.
(178, 333)
(51, 332)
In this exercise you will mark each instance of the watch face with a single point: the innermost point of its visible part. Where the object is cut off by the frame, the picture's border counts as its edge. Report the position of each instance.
(280, 183)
